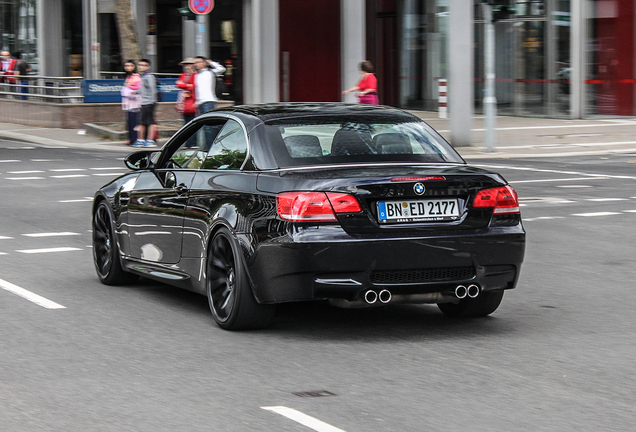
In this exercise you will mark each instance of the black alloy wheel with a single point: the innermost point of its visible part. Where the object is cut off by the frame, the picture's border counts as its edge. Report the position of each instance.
(105, 250)
(230, 297)
(486, 303)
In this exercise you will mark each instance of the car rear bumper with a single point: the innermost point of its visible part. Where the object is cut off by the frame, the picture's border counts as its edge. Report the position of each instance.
(334, 265)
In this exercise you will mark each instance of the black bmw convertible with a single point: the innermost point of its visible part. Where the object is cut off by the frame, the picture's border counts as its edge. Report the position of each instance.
(359, 205)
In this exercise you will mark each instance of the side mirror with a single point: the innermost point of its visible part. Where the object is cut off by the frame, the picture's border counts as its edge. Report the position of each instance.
(139, 161)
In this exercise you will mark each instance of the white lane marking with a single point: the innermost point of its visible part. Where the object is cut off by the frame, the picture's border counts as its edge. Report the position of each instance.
(85, 199)
(106, 168)
(67, 169)
(51, 234)
(9, 160)
(595, 214)
(19, 148)
(49, 250)
(629, 211)
(3, 253)
(24, 178)
(6, 238)
(543, 218)
(606, 199)
(550, 127)
(48, 160)
(556, 180)
(574, 186)
(69, 176)
(520, 168)
(32, 297)
(303, 419)
(25, 172)
(108, 174)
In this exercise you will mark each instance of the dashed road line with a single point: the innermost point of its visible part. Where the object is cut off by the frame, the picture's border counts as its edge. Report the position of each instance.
(589, 175)
(595, 214)
(25, 172)
(6, 238)
(52, 234)
(67, 169)
(606, 199)
(85, 199)
(10, 161)
(303, 419)
(49, 250)
(24, 178)
(69, 176)
(107, 174)
(28, 295)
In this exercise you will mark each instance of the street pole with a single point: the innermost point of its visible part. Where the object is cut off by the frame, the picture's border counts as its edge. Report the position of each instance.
(490, 100)
(200, 48)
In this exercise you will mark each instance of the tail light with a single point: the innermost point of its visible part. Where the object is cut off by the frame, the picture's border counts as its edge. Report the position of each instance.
(314, 206)
(503, 200)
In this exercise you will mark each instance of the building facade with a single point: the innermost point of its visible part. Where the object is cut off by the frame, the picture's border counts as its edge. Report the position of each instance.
(554, 58)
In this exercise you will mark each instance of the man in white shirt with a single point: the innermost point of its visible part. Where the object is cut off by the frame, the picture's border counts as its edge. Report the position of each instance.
(204, 83)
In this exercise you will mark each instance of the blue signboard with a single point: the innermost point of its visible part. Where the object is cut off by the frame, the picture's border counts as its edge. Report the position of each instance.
(109, 90)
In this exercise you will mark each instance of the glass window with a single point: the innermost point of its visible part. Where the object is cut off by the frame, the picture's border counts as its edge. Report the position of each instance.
(193, 151)
(316, 141)
(229, 148)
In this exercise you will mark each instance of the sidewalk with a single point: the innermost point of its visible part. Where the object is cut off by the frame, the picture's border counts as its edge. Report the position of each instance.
(517, 137)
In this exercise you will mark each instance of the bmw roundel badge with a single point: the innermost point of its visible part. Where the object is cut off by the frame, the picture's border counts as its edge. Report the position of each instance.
(419, 188)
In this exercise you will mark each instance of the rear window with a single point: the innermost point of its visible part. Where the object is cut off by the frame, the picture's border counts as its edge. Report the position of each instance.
(324, 141)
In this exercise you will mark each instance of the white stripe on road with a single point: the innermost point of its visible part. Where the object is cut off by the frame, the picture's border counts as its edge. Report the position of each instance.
(49, 250)
(67, 169)
(108, 174)
(24, 178)
(106, 168)
(9, 161)
(520, 168)
(70, 176)
(543, 218)
(6, 238)
(25, 172)
(51, 234)
(629, 211)
(32, 297)
(85, 199)
(606, 199)
(595, 214)
(556, 180)
(303, 419)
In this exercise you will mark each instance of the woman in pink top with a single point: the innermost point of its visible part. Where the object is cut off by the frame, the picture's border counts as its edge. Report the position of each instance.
(367, 87)
(130, 100)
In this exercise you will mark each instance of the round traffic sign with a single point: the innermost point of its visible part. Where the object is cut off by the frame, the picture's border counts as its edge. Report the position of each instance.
(201, 7)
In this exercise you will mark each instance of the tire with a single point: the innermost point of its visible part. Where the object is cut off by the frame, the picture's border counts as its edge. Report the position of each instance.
(485, 304)
(230, 297)
(106, 251)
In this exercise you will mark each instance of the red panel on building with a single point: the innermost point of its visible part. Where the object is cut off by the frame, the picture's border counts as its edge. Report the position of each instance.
(310, 50)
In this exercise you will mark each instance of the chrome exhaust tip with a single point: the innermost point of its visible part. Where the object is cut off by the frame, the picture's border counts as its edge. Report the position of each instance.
(370, 296)
(384, 296)
(473, 291)
(461, 292)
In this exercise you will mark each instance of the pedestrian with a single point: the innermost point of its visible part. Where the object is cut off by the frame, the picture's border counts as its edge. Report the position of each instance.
(22, 68)
(205, 82)
(147, 128)
(8, 66)
(367, 87)
(131, 99)
(186, 82)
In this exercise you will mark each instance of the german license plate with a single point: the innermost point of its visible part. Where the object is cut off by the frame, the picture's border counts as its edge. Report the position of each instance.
(418, 210)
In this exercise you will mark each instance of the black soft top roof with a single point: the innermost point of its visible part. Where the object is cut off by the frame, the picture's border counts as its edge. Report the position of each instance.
(279, 111)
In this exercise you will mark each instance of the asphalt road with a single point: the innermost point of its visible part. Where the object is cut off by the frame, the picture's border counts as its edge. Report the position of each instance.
(556, 356)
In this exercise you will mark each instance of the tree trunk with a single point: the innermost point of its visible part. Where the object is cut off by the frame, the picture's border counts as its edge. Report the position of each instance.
(127, 34)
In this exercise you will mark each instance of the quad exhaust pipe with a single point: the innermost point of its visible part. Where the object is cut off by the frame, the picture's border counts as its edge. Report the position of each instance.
(472, 291)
